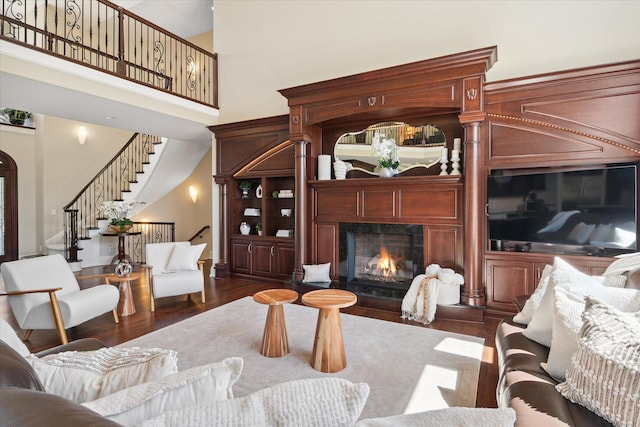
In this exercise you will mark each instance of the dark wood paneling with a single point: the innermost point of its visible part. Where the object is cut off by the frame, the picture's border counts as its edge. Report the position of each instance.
(285, 260)
(262, 258)
(327, 247)
(337, 203)
(505, 281)
(378, 204)
(443, 246)
(430, 203)
(240, 257)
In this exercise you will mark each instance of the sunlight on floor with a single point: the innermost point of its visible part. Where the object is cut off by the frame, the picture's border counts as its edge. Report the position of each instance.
(460, 347)
(431, 389)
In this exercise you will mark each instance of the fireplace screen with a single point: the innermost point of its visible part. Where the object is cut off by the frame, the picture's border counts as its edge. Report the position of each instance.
(383, 257)
(380, 259)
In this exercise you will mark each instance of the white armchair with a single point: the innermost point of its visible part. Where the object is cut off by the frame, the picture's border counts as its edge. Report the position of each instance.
(174, 268)
(44, 294)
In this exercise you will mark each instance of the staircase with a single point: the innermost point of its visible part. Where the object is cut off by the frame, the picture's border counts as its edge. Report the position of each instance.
(118, 180)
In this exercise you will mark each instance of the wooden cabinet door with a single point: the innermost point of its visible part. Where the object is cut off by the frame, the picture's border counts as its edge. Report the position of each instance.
(327, 247)
(507, 280)
(262, 256)
(240, 256)
(285, 260)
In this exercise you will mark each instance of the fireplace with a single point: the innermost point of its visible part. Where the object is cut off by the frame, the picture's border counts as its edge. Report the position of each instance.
(380, 260)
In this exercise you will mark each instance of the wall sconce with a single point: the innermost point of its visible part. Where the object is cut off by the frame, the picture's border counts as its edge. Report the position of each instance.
(193, 193)
(82, 135)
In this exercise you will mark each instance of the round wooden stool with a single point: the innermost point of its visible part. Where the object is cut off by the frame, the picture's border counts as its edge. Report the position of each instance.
(274, 339)
(328, 346)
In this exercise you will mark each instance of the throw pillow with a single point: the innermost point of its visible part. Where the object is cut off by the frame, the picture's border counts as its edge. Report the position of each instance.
(8, 335)
(82, 376)
(525, 316)
(580, 284)
(604, 376)
(459, 416)
(193, 386)
(184, 258)
(327, 401)
(316, 273)
(567, 320)
(615, 281)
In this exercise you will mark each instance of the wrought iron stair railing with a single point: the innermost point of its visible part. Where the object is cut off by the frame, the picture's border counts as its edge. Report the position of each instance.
(82, 213)
(108, 38)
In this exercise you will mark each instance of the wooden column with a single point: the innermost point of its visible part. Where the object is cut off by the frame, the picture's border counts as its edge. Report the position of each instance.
(300, 240)
(222, 266)
(473, 292)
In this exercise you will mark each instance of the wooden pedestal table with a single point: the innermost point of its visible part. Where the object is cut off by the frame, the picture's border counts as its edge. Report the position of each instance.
(126, 306)
(274, 339)
(328, 347)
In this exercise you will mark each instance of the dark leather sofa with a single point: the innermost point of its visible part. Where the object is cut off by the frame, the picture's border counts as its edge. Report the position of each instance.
(23, 401)
(527, 388)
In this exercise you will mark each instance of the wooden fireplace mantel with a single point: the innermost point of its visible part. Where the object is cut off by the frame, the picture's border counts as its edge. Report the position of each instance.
(444, 85)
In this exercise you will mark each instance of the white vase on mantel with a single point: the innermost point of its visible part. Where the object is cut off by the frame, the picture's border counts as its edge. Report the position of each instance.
(386, 172)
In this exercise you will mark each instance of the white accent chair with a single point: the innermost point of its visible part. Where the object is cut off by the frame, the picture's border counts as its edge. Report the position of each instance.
(173, 268)
(44, 294)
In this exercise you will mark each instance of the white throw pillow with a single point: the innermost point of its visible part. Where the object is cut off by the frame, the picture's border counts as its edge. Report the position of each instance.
(82, 376)
(316, 273)
(604, 376)
(567, 320)
(193, 386)
(458, 416)
(184, 258)
(524, 316)
(9, 336)
(580, 284)
(329, 401)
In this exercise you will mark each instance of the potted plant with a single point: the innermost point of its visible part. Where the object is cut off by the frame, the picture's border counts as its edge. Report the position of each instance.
(259, 228)
(245, 186)
(16, 117)
(118, 212)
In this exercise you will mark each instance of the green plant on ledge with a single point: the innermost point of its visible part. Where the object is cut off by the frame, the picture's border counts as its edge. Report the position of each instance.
(16, 117)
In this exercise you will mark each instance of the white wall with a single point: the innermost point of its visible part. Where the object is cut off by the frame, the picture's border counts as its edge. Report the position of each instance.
(264, 46)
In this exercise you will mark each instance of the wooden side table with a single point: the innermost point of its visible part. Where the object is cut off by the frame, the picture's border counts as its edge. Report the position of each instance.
(274, 338)
(328, 347)
(126, 306)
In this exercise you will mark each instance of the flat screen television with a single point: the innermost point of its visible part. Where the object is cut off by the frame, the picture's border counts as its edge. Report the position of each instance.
(587, 210)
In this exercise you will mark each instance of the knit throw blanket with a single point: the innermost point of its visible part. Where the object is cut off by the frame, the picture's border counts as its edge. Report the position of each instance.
(420, 301)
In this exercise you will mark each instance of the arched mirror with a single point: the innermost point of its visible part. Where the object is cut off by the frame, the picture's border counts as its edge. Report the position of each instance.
(415, 146)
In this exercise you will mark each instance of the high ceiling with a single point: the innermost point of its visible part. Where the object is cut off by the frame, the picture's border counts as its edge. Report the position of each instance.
(185, 18)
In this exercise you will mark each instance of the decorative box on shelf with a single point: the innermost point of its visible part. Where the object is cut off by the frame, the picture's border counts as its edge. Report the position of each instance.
(284, 233)
(285, 194)
(252, 212)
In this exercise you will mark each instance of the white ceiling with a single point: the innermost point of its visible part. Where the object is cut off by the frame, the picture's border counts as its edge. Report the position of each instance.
(185, 18)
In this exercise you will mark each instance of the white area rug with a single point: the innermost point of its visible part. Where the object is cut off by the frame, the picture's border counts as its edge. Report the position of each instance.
(409, 368)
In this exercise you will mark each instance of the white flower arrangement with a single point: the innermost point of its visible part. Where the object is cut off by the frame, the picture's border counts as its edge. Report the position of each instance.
(118, 211)
(386, 150)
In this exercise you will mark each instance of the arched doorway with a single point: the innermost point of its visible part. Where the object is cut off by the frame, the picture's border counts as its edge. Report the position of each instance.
(8, 208)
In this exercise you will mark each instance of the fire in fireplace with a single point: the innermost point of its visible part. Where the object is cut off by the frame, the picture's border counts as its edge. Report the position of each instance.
(380, 259)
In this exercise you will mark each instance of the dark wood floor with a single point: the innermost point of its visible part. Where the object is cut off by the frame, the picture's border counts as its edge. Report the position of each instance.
(221, 291)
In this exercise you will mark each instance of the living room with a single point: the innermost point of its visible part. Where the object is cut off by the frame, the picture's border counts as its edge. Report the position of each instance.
(517, 56)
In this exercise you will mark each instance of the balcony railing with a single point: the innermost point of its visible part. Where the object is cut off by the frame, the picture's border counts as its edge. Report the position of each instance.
(106, 37)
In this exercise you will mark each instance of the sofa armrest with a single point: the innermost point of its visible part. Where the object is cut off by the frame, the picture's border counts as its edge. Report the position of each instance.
(21, 407)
